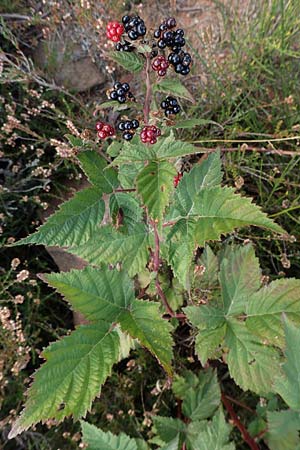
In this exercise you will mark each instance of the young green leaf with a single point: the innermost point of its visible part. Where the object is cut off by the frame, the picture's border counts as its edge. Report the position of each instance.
(96, 169)
(215, 436)
(108, 245)
(251, 363)
(240, 276)
(155, 184)
(97, 294)
(283, 430)
(97, 439)
(74, 223)
(288, 385)
(174, 87)
(71, 378)
(143, 322)
(128, 60)
(200, 401)
(265, 309)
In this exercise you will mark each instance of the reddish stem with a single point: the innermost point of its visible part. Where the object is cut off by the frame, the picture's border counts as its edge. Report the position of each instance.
(246, 436)
(147, 102)
(156, 269)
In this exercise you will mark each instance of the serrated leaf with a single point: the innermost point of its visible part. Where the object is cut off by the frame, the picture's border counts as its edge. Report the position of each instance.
(97, 294)
(265, 309)
(114, 148)
(208, 279)
(283, 430)
(205, 316)
(208, 342)
(288, 385)
(97, 439)
(240, 276)
(128, 173)
(200, 401)
(205, 175)
(143, 322)
(128, 60)
(215, 436)
(167, 428)
(74, 222)
(251, 364)
(71, 378)
(74, 140)
(174, 87)
(96, 169)
(108, 245)
(126, 205)
(155, 184)
(192, 123)
(173, 445)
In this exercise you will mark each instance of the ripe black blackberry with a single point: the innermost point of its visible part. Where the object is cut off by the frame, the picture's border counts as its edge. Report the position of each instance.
(128, 127)
(134, 27)
(171, 106)
(121, 92)
(181, 62)
(167, 37)
(125, 46)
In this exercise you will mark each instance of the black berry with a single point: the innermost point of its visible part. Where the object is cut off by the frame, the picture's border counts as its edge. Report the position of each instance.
(171, 106)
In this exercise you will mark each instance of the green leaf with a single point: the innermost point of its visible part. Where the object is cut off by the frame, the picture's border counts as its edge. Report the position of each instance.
(74, 141)
(96, 169)
(168, 428)
(192, 123)
(174, 87)
(114, 148)
(173, 445)
(128, 173)
(265, 309)
(251, 364)
(126, 205)
(215, 436)
(67, 383)
(205, 316)
(170, 147)
(288, 385)
(108, 245)
(155, 184)
(200, 401)
(116, 105)
(97, 294)
(209, 279)
(208, 342)
(283, 430)
(97, 439)
(73, 223)
(240, 276)
(143, 322)
(128, 60)
(205, 175)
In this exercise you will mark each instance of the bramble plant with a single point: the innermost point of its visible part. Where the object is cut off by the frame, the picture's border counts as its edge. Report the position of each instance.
(143, 227)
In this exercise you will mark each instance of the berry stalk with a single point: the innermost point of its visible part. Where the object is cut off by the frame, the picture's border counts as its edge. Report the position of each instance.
(147, 102)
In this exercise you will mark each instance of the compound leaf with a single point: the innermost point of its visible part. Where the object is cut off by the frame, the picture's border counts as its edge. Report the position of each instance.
(143, 321)
(251, 363)
(155, 184)
(97, 294)
(75, 368)
(108, 245)
(73, 223)
(97, 439)
(265, 309)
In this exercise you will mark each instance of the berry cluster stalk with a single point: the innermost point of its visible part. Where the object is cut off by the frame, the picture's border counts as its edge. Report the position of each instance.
(147, 102)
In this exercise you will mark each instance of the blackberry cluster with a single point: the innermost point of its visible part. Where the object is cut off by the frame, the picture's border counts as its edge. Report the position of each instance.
(134, 27)
(104, 130)
(128, 127)
(121, 92)
(114, 31)
(160, 65)
(170, 105)
(181, 62)
(149, 134)
(173, 39)
(125, 46)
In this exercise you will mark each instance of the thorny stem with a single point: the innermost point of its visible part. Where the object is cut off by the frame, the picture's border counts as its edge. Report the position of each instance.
(147, 102)
(156, 269)
(246, 436)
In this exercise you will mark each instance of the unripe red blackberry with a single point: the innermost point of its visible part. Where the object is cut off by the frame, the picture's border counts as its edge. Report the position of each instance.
(104, 130)
(114, 31)
(149, 134)
(160, 65)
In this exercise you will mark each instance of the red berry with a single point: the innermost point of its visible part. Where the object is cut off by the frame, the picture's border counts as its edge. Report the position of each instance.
(99, 126)
(160, 65)
(104, 130)
(177, 178)
(102, 134)
(114, 31)
(149, 134)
